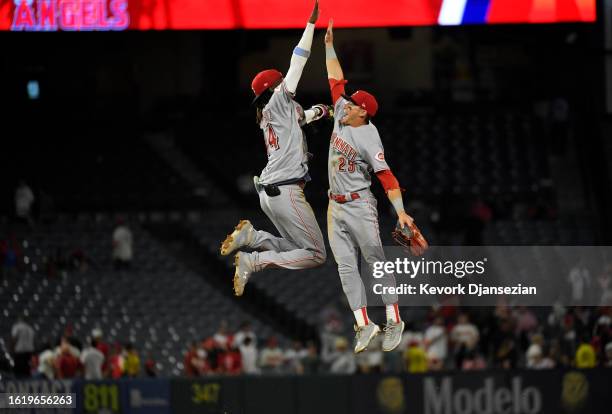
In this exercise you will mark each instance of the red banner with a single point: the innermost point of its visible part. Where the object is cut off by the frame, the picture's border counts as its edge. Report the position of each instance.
(104, 15)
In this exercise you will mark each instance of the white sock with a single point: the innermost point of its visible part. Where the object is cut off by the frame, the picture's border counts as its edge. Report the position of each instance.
(361, 316)
(393, 314)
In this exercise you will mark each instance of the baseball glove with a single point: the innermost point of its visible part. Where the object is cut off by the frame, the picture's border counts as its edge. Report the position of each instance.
(410, 238)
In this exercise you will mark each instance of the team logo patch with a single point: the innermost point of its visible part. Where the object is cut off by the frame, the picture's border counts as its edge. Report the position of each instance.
(380, 156)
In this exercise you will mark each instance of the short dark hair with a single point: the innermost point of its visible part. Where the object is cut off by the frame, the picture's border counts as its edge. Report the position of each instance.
(260, 103)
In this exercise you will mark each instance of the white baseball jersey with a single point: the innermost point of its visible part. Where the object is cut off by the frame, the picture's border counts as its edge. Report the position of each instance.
(284, 138)
(353, 154)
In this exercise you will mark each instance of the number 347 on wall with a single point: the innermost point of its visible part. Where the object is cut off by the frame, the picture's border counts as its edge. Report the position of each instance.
(206, 393)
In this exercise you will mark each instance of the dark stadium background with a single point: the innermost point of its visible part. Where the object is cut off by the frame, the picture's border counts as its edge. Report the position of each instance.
(499, 134)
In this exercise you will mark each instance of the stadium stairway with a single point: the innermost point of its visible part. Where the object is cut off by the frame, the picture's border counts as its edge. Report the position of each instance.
(160, 305)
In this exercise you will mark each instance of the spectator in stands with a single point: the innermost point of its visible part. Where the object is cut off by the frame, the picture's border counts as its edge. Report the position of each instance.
(371, 360)
(604, 282)
(602, 331)
(102, 346)
(415, 358)
(554, 352)
(248, 353)
(478, 216)
(10, 257)
(343, 360)
(92, 360)
(583, 320)
(79, 261)
(131, 361)
(506, 354)
(116, 362)
(74, 341)
(122, 246)
(150, 366)
(221, 336)
(526, 324)
(411, 334)
(473, 361)
(311, 362)
(212, 355)
(330, 330)
(436, 344)
(535, 354)
(271, 357)
(393, 362)
(46, 362)
(554, 321)
(191, 361)
(22, 335)
(568, 340)
(579, 280)
(24, 199)
(230, 360)
(67, 364)
(465, 336)
(245, 331)
(503, 343)
(608, 349)
(294, 356)
(585, 355)
(201, 362)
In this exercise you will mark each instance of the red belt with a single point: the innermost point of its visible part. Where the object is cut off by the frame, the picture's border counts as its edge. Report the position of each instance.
(341, 198)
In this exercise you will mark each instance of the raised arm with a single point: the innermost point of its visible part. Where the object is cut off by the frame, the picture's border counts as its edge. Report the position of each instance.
(301, 52)
(334, 70)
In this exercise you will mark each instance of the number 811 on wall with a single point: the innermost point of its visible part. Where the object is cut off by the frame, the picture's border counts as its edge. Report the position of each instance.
(101, 398)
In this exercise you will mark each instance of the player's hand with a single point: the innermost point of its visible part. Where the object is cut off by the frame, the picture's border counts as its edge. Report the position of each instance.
(322, 111)
(404, 219)
(329, 35)
(315, 13)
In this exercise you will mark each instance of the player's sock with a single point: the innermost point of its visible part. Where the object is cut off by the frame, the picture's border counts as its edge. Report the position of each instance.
(361, 316)
(393, 314)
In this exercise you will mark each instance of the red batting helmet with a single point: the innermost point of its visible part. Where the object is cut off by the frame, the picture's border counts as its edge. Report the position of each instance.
(364, 100)
(264, 80)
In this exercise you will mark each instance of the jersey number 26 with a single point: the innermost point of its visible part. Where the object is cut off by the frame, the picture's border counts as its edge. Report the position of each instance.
(346, 166)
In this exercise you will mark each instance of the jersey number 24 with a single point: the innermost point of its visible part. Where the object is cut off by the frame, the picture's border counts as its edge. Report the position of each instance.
(272, 142)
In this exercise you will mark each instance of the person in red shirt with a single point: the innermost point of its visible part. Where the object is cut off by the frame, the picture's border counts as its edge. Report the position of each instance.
(150, 366)
(190, 361)
(230, 359)
(67, 364)
(116, 362)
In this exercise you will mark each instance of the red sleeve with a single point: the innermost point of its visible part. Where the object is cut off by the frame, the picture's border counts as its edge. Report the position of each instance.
(388, 180)
(337, 88)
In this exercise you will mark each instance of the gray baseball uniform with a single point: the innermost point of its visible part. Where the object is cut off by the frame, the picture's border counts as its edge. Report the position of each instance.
(301, 245)
(281, 121)
(353, 225)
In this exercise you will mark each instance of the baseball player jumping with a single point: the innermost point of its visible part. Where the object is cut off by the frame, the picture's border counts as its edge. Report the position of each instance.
(355, 151)
(281, 183)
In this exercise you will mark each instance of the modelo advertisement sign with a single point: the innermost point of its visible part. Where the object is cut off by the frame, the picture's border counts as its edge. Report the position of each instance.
(526, 392)
(478, 392)
(114, 15)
